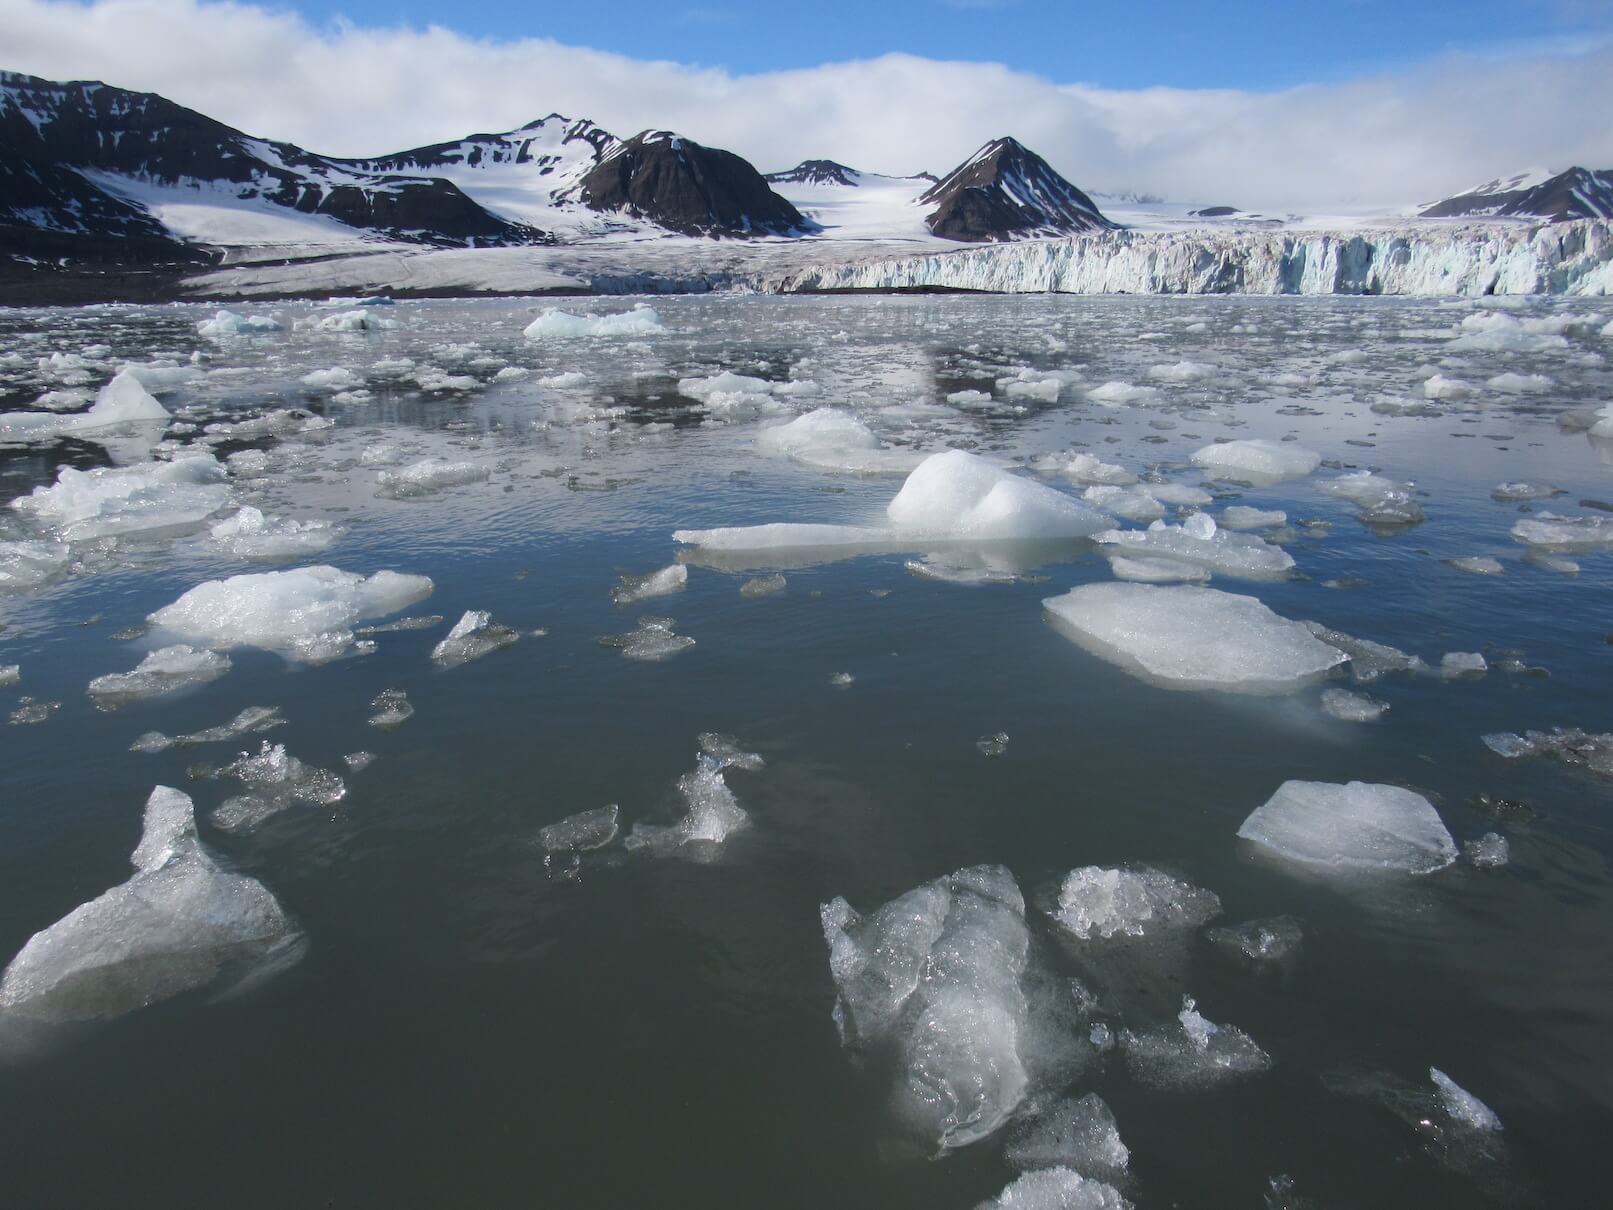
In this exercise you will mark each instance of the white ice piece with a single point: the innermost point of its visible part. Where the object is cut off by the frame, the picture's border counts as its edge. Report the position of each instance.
(1108, 903)
(1056, 1189)
(1353, 707)
(1257, 460)
(115, 501)
(179, 923)
(250, 534)
(656, 584)
(472, 637)
(124, 400)
(228, 323)
(1200, 541)
(1464, 1108)
(832, 439)
(164, 671)
(1193, 638)
(961, 495)
(428, 476)
(555, 324)
(1381, 501)
(1359, 827)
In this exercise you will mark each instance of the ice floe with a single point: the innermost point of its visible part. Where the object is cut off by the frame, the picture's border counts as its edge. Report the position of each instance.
(653, 641)
(1069, 1133)
(1094, 902)
(248, 722)
(1353, 707)
(1201, 542)
(472, 637)
(428, 476)
(1353, 828)
(664, 582)
(1570, 745)
(1196, 1053)
(832, 439)
(1257, 460)
(1551, 533)
(181, 922)
(1193, 638)
(228, 323)
(555, 324)
(1056, 1189)
(251, 534)
(124, 400)
(712, 810)
(275, 781)
(150, 498)
(392, 709)
(164, 671)
(1380, 500)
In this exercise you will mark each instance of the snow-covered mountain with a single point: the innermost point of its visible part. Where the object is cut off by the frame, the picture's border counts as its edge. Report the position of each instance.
(1539, 193)
(1006, 191)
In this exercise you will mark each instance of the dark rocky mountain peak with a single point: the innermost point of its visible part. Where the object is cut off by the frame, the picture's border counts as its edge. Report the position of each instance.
(1573, 194)
(1006, 191)
(694, 190)
(816, 172)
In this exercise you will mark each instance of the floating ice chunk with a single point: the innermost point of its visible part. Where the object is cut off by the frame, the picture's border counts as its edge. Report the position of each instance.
(29, 711)
(1478, 565)
(1488, 852)
(228, 323)
(305, 613)
(1519, 384)
(1085, 468)
(428, 476)
(781, 536)
(1441, 387)
(114, 501)
(275, 780)
(1178, 493)
(763, 586)
(937, 972)
(582, 832)
(1132, 504)
(124, 400)
(960, 495)
(726, 383)
(179, 923)
(1043, 390)
(1568, 744)
(337, 378)
(249, 534)
(841, 680)
(713, 811)
(555, 324)
(1368, 660)
(1273, 940)
(1257, 460)
(1549, 532)
(1455, 664)
(29, 565)
(472, 637)
(1056, 1189)
(392, 709)
(1523, 490)
(831, 439)
(654, 640)
(251, 720)
(167, 670)
(970, 399)
(1355, 827)
(1069, 1133)
(429, 621)
(1148, 570)
(1464, 1108)
(1198, 1053)
(1193, 638)
(1199, 540)
(1239, 516)
(656, 584)
(1381, 501)
(354, 321)
(1107, 903)
(564, 381)
(1121, 394)
(10, 674)
(1353, 707)
(1182, 371)
(993, 745)
(1498, 333)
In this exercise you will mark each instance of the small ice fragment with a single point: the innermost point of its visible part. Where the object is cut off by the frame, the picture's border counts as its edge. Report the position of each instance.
(713, 811)
(654, 640)
(249, 534)
(1079, 1134)
(1275, 939)
(655, 584)
(1238, 516)
(1357, 827)
(841, 680)
(427, 477)
(1464, 1108)
(473, 636)
(993, 745)
(357, 762)
(10, 674)
(1368, 660)
(1198, 1053)
(29, 711)
(1478, 565)
(251, 720)
(582, 832)
(167, 670)
(1151, 570)
(1353, 707)
(1056, 1189)
(228, 323)
(1456, 664)
(1553, 534)
(1487, 852)
(392, 709)
(275, 780)
(1441, 387)
(1108, 903)
(762, 586)
(1379, 500)
(178, 923)
(1200, 541)
(1568, 744)
(421, 622)
(1522, 490)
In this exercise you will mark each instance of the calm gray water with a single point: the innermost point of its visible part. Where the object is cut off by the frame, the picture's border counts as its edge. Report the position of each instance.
(468, 1025)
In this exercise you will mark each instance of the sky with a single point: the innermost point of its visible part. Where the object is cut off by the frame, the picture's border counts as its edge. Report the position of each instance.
(1319, 107)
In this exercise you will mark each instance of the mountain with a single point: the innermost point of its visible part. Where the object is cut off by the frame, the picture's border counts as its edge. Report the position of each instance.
(815, 172)
(1574, 194)
(1005, 191)
(93, 156)
(694, 190)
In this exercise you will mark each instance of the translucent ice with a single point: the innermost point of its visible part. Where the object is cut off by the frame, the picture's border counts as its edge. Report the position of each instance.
(392, 709)
(1381, 501)
(1197, 1053)
(1568, 744)
(1199, 541)
(554, 324)
(249, 721)
(1133, 504)
(1070, 1133)
(1097, 902)
(179, 923)
(1353, 707)
(1356, 827)
(143, 499)
(831, 439)
(1257, 460)
(167, 670)
(428, 476)
(1157, 571)
(581, 832)
(655, 584)
(306, 613)
(250, 534)
(472, 637)
(1275, 939)
(1239, 516)
(1549, 532)
(274, 781)
(1457, 664)
(1487, 852)
(763, 586)
(1193, 638)
(654, 640)
(1478, 565)
(10, 674)
(28, 565)
(1464, 1108)
(712, 810)
(1056, 1189)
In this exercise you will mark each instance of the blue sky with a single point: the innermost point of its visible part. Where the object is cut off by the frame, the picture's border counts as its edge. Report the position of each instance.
(1253, 44)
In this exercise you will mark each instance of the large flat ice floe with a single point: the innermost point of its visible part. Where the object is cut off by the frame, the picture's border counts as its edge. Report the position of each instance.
(180, 922)
(935, 975)
(951, 497)
(1257, 460)
(147, 499)
(1193, 638)
(1358, 827)
(307, 613)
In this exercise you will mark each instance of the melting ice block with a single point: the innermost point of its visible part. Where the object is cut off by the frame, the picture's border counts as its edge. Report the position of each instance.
(1193, 638)
(960, 495)
(1056, 1189)
(1356, 827)
(250, 534)
(713, 811)
(274, 780)
(179, 923)
(472, 637)
(1197, 1053)
(124, 400)
(656, 584)
(167, 670)
(935, 975)
(1069, 1133)
(306, 613)
(1097, 902)
(144, 499)
(1201, 542)
(832, 439)
(581, 832)
(1381, 501)
(555, 324)
(428, 476)
(1257, 460)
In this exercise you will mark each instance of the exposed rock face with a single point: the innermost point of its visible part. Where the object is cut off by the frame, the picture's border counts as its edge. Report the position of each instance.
(542, 144)
(1574, 194)
(1005, 191)
(688, 188)
(816, 172)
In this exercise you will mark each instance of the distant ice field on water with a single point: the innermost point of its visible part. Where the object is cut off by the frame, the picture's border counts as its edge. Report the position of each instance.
(940, 751)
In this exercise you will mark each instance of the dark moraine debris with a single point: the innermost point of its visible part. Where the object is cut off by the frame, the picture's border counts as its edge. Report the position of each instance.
(1215, 212)
(1005, 191)
(694, 190)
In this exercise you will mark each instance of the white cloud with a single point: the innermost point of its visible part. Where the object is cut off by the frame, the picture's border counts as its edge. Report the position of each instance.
(1415, 134)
